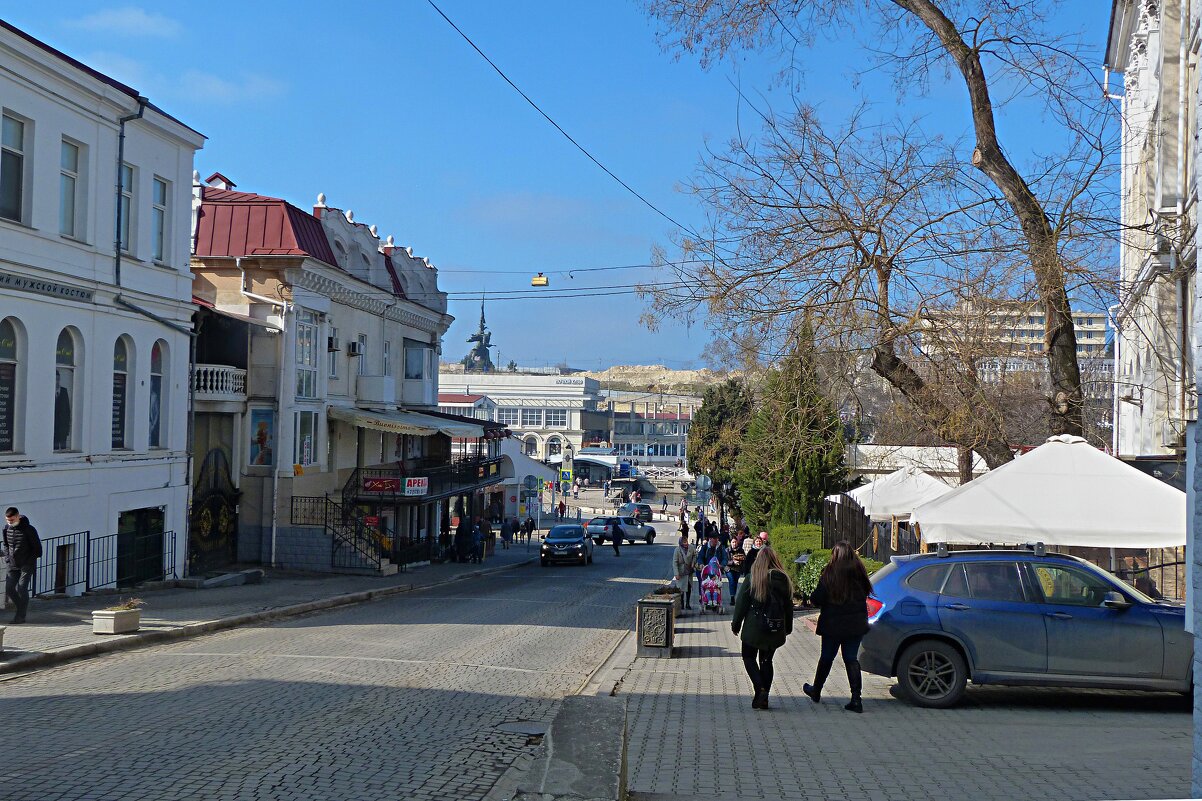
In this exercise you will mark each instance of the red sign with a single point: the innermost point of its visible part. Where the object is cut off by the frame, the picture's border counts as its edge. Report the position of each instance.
(417, 486)
(381, 485)
(513, 499)
(371, 521)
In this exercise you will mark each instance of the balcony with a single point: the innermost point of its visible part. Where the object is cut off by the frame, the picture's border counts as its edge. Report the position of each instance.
(218, 382)
(375, 390)
(419, 484)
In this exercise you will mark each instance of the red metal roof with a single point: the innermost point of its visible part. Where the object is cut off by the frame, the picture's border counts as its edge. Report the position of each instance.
(244, 224)
(451, 397)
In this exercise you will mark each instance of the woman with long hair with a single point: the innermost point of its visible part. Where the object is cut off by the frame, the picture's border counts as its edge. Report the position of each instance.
(763, 618)
(842, 595)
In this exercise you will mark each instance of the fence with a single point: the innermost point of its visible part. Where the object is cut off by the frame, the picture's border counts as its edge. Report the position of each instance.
(63, 567)
(123, 560)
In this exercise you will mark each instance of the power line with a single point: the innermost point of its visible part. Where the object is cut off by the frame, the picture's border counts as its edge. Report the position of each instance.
(557, 127)
(569, 270)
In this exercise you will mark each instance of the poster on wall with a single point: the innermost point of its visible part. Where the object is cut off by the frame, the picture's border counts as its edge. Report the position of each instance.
(262, 437)
(119, 400)
(8, 407)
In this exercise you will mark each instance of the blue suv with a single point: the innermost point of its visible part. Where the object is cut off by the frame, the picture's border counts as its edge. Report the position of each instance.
(1015, 617)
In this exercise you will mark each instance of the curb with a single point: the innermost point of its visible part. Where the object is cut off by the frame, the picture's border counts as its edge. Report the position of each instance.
(72, 652)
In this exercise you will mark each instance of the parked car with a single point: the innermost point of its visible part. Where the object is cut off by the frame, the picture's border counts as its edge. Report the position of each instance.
(566, 544)
(1015, 617)
(602, 529)
(642, 511)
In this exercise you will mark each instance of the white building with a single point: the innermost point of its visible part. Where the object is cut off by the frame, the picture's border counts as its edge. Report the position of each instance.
(1154, 347)
(545, 412)
(94, 339)
(327, 423)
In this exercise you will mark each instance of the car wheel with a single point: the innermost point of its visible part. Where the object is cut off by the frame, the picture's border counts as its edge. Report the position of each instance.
(650, 538)
(931, 674)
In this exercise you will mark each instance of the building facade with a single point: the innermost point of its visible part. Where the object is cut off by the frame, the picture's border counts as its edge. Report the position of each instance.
(338, 455)
(95, 319)
(1153, 46)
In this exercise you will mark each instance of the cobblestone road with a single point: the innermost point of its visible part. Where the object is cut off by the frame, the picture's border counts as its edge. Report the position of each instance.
(401, 698)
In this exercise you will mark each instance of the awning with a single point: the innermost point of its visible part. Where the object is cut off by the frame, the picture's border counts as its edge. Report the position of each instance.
(245, 318)
(402, 422)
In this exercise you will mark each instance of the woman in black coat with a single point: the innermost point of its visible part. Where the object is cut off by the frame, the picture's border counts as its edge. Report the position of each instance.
(842, 595)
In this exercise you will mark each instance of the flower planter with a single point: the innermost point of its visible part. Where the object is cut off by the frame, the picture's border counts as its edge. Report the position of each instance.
(116, 621)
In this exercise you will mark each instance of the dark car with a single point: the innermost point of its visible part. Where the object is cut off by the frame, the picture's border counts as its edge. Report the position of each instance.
(566, 544)
(641, 511)
(1018, 618)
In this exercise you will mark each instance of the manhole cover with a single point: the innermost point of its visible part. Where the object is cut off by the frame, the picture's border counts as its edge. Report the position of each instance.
(531, 728)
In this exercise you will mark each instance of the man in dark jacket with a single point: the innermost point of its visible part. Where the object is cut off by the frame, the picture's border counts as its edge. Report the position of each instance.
(22, 549)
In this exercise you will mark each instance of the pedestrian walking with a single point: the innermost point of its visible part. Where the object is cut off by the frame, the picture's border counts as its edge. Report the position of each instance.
(664, 506)
(477, 543)
(506, 533)
(563, 509)
(684, 556)
(841, 595)
(529, 527)
(736, 565)
(22, 549)
(618, 536)
(763, 619)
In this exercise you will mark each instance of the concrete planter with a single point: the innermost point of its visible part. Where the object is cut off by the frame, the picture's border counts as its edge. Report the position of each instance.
(116, 621)
(655, 626)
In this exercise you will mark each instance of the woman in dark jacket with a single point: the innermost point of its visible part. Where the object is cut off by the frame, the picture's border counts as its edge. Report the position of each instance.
(768, 589)
(842, 595)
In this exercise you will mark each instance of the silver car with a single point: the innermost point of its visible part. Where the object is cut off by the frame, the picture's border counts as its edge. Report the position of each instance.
(603, 528)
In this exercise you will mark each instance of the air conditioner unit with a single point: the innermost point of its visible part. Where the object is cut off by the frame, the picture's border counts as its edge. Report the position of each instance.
(1172, 434)
(353, 349)
(332, 344)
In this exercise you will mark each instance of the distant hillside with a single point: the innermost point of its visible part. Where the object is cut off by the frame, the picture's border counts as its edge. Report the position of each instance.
(641, 377)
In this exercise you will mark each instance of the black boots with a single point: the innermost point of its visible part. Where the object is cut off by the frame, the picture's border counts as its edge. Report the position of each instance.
(814, 691)
(761, 700)
(856, 682)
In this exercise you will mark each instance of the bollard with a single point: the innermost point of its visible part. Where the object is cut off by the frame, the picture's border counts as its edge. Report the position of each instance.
(655, 626)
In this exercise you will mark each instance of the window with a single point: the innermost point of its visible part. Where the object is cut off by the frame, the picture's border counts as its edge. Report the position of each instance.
(126, 209)
(509, 417)
(12, 169)
(531, 445)
(416, 356)
(1070, 586)
(8, 386)
(120, 392)
(532, 418)
(306, 438)
(362, 367)
(994, 581)
(387, 357)
(557, 418)
(332, 356)
(64, 390)
(156, 394)
(158, 219)
(306, 355)
(928, 579)
(554, 446)
(68, 189)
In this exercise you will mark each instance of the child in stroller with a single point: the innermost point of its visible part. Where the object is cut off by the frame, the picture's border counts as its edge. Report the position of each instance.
(711, 587)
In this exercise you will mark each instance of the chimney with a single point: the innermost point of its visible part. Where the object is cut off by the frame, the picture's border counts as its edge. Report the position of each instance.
(219, 181)
(320, 208)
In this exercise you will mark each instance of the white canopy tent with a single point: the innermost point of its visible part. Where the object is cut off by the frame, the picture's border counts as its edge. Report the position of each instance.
(1065, 492)
(896, 495)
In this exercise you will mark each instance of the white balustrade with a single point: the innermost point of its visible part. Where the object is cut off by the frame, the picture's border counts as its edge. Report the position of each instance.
(218, 382)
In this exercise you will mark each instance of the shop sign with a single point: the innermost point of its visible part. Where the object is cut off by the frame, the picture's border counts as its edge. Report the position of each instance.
(417, 486)
(381, 485)
(371, 521)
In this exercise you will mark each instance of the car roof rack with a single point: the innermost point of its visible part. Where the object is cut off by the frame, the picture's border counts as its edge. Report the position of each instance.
(1038, 548)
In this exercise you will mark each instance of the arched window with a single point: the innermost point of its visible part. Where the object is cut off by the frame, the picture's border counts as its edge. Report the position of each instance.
(9, 365)
(64, 391)
(158, 400)
(121, 387)
(554, 446)
(531, 444)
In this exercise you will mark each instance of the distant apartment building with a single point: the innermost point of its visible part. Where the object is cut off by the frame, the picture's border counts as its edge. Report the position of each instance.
(95, 319)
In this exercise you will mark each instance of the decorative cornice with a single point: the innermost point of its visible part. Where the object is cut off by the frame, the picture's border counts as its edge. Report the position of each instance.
(398, 310)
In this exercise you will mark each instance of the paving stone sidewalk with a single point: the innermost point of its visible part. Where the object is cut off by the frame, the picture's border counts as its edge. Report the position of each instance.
(61, 626)
(693, 734)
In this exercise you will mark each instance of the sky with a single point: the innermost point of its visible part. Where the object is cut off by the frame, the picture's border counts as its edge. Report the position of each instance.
(384, 108)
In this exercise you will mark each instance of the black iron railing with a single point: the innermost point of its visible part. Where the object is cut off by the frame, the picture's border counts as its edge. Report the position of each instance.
(124, 560)
(63, 567)
(388, 484)
(353, 544)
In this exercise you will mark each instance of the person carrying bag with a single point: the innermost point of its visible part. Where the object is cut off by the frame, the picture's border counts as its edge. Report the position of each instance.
(763, 619)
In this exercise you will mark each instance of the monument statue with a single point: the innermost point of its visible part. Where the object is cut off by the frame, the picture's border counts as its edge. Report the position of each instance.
(478, 359)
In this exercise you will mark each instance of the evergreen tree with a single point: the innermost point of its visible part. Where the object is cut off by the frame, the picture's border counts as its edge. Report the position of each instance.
(716, 433)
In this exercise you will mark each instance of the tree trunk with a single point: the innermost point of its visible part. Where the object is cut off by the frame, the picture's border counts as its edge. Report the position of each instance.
(902, 377)
(1067, 401)
(964, 464)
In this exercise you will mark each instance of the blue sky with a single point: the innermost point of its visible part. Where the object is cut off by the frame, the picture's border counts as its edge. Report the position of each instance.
(385, 109)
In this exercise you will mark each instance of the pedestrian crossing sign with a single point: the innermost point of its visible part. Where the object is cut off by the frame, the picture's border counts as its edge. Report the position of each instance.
(565, 475)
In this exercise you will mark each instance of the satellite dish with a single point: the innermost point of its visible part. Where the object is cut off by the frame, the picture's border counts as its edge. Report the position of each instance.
(704, 483)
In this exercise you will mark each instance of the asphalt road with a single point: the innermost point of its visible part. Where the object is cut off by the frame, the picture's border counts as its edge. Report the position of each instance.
(428, 695)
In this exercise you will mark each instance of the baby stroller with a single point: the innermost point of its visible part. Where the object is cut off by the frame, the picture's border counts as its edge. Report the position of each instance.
(711, 587)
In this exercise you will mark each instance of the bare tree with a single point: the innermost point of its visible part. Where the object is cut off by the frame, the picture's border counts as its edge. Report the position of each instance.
(1051, 205)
